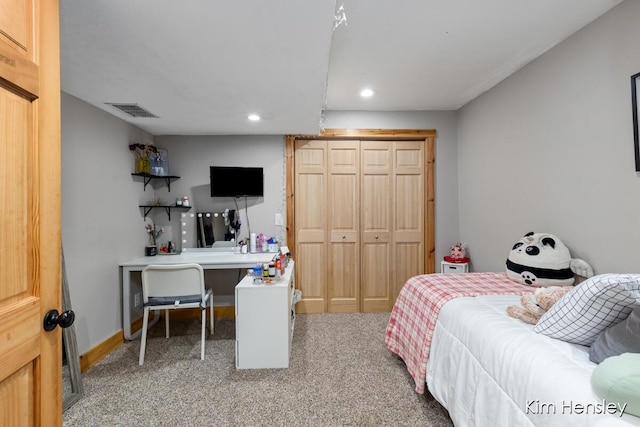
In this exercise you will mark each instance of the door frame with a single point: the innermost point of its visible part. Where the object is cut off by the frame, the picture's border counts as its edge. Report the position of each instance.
(426, 135)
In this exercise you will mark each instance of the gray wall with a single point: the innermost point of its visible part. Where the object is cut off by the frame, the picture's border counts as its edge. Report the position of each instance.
(550, 149)
(190, 158)
(101, 222)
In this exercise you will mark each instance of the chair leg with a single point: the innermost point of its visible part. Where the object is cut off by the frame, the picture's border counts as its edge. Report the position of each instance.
(143, 342)
(211, 320)
(204, 325)
(166, 323)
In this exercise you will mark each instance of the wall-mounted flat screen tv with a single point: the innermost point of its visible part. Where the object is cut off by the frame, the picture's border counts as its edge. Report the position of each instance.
(232, 181)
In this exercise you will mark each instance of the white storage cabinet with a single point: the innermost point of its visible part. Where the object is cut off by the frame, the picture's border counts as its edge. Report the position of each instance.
(454, 267)
(265, 318)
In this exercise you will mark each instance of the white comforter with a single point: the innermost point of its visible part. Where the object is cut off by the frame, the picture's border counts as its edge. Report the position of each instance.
(488, 369)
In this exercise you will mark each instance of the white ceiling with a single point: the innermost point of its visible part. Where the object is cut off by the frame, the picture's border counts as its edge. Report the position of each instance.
(203, 65)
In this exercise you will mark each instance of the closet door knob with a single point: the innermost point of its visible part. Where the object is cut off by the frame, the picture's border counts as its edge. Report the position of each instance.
(376, 237)
(344, 237)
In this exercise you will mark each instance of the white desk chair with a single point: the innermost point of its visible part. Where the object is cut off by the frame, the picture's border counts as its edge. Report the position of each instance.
(170, 287)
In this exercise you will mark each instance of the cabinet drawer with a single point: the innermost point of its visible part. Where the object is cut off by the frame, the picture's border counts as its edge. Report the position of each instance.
(448, 267)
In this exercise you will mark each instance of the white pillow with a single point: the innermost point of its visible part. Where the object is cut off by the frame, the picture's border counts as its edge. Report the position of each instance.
(591, 307)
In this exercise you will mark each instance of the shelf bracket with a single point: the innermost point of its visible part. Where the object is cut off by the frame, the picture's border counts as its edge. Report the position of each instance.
(147, 180)
(167, 209)
(147, 211)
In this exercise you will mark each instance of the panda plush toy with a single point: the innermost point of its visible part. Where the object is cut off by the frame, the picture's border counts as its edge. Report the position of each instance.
(541, 259)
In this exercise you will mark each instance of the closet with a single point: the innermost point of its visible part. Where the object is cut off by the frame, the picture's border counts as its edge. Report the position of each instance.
(359, 215)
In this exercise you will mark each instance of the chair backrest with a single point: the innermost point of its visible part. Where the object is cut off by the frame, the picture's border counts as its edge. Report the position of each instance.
(172, 280)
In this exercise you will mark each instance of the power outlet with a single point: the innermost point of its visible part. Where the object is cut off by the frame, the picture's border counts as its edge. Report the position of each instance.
(136, 300)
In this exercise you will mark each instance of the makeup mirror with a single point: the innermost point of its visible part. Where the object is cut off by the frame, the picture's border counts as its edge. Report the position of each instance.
(205, 230)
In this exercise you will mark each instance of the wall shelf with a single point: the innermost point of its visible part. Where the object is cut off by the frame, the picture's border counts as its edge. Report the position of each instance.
(167, 208)
(148, 178)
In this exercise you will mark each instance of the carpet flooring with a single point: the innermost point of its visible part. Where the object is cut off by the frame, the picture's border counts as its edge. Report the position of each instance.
(340, 374)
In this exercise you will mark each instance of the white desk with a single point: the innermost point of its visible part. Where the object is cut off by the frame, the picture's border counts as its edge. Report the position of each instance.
(208, 261)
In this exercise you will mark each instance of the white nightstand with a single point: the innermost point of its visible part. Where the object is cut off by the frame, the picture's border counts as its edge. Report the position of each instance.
(454, 267)
(265, 318)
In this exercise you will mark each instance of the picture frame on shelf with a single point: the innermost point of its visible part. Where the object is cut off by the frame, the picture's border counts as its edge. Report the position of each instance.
(160, 162)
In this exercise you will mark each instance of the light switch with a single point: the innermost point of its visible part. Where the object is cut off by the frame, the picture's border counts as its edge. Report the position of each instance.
(278, 219)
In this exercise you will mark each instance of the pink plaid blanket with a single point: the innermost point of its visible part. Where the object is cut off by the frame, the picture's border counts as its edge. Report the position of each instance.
(415, 312)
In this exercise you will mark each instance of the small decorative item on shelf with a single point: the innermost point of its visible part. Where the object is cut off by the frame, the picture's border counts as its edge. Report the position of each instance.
(143, 153)
(157, 201)
(154, 233)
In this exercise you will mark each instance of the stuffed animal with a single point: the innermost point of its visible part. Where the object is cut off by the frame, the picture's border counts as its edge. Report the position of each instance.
(457, 251)
(536, 304)
(458, 254)
(541, 259)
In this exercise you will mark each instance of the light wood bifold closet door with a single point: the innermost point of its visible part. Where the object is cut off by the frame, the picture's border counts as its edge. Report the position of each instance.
(359, 222)
(30, 263)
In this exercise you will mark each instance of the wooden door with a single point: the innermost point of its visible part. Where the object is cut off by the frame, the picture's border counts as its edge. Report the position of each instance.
(376, 213)
(30, 358)
(311, 224)
(408, 206)
(343, 224)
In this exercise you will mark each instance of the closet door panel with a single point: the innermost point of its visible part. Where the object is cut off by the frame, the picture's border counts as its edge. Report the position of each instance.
(343, 278)
(312, 280)
(311, 224)
(344, 220)
(377, 216)
(375, 277)
(409, 263)
(408, 212)
(408, 205)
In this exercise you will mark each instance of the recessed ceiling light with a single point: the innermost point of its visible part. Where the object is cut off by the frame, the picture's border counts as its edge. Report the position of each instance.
(366, 93)
(253, 117)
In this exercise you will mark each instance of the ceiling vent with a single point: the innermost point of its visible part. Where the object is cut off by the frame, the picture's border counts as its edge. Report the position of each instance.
(134, 110)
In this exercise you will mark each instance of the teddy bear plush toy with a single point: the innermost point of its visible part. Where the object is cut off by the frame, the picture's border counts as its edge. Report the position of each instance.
(541, 259)
(458, 254)
(536, 304)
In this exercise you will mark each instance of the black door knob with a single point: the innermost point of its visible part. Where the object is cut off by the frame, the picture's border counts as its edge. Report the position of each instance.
(53, 319)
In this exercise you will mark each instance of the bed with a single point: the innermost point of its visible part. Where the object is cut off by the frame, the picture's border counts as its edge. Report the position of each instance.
(486, 368)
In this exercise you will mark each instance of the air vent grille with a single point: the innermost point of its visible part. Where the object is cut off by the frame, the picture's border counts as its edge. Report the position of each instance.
(134, 110)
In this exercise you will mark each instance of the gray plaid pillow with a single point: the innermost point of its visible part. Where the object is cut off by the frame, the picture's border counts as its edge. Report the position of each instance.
(621, 338)
(593, 306)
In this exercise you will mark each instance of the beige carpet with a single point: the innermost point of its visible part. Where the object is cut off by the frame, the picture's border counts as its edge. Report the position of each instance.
(340, 374)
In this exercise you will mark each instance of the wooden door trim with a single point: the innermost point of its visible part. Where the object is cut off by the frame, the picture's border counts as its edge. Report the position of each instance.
(426, 135)
(49, 209)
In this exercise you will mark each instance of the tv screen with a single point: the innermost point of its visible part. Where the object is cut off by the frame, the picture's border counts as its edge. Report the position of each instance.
(231, 181)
